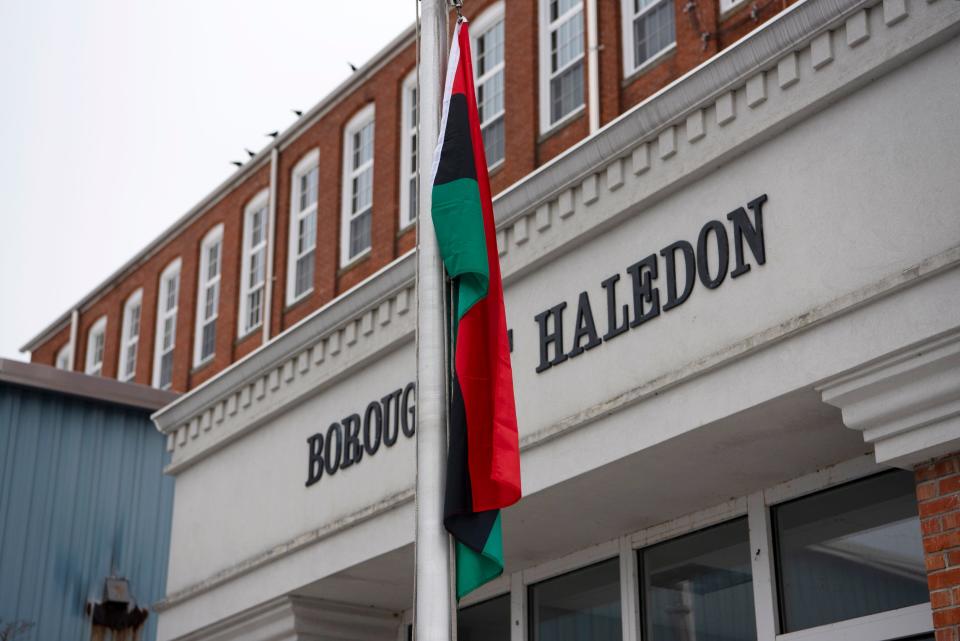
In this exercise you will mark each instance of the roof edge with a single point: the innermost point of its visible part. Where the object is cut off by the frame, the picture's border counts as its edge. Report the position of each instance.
(50, 379)
(262, 158)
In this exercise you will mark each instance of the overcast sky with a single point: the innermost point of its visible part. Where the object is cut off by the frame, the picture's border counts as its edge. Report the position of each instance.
(118, 116)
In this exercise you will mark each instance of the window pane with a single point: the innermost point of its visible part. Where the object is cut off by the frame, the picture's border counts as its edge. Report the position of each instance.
(493, 141)
(653, 32)
(568, 43)
(487, 621)
(583, 605)
(172, 283)
(168, 333)
(304, 277)
(413, 198)
(166, 369)
(253, 308)
(209, 338)
(566, 92)
(699, 587)
(135, 321)
(850, 551)
(360, 233)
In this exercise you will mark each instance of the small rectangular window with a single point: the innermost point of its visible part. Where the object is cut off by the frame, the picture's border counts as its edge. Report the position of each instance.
(96, 340)
(209, 296)
(62, 361)
(357, 210)
(850, 551)
(303, 227)
(253, 267)
(167, 306)
(699, 587)
(489, 46)
(561, 60)
(130, 337)
(648, 30)
(583, 604)
(486, 621)
(408, 152)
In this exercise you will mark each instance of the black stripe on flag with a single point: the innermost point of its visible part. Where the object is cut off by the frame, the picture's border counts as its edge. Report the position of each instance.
(456, 157)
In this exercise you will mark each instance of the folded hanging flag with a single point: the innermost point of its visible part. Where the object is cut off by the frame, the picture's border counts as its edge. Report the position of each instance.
(483, 466)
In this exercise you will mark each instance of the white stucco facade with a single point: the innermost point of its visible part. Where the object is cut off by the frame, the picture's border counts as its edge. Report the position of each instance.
(834, 356)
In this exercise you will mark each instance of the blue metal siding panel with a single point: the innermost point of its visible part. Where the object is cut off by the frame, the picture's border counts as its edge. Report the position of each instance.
(82, 497)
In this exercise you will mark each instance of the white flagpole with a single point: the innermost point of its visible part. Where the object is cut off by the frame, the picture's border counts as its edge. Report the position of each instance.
(432, 592)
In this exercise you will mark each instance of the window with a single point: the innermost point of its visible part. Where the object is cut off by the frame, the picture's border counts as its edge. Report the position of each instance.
(62, 360)
(699, 586)
(583, 604)
(850, 551)
(96, 338)
(648, 30)
(408, 152)
(130, 336)
(486, 621)
(357, 186)
(166, 336)
(488, 45)
(208, 296)
(254, 266)
(561, 60)
(303, 227)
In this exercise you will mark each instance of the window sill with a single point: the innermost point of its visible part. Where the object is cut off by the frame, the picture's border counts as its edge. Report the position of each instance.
(561, 124)
(247, 334)
(290, 304)
(732, 9)
(496, 167)
(202, 365)
(356, 260)
(408, 227)
(649, 63)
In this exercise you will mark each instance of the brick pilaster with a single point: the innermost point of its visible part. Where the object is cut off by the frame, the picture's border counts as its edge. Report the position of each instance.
(938, 495)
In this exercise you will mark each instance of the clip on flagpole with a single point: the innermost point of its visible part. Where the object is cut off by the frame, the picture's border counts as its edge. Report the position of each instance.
(458, 5)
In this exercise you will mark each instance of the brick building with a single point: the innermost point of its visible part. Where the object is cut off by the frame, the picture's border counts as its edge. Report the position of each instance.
(142, 324)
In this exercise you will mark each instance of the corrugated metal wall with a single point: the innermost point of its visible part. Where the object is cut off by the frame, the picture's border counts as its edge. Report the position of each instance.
(82, 497)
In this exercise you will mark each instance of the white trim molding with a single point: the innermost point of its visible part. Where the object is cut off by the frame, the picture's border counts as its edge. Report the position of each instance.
(907, 405)
(304, 191)
(208, 293)
(357, 191)
(253, 267)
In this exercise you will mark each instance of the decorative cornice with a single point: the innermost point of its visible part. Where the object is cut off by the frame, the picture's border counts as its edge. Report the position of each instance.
(907, 404)
(801, 61)
(370, 319)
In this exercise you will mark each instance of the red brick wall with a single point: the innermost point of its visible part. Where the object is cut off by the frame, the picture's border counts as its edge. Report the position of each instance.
(526, 149)
(938, 493)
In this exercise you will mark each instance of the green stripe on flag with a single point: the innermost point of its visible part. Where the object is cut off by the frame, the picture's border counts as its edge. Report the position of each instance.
(474, 569)
(458, 221)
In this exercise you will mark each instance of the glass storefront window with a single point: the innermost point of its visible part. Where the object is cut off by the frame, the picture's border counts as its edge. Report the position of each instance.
(583, 605)
(849, 551)
(486, 621)
(699, 587)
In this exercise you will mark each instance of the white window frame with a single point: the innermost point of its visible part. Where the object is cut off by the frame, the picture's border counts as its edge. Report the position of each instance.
(92, 366)
(171, 270)
(408, 143)
(885, 626)
(627, 18)
(62, 359)
(127, 339)
(361, 119)
(546, 28)
(489, 18)
(310, 162)
(259, 203)
(213, 237)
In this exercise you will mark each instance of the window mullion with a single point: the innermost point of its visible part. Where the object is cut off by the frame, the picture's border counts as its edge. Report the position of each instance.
(629, 591)
(518, 608)
(764, 577)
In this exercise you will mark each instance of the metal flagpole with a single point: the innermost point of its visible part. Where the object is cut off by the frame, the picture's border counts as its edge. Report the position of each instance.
(432, 592)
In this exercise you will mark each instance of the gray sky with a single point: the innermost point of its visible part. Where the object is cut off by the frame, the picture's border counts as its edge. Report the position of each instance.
(118, 116)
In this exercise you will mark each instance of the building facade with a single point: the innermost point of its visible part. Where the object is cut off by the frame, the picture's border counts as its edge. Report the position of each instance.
(770, 447)
(328, 202)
